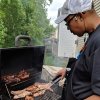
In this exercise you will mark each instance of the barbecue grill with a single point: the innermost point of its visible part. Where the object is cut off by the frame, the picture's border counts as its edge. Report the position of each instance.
(26, 58)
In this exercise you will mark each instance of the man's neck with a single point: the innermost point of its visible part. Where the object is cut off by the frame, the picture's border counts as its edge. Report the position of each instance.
(93, 24)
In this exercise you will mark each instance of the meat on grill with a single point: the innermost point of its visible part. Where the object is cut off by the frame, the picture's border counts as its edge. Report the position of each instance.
(22, 95)
(23, 74)
(27, 93)
(16, 78)
(10, 78)
(45, 86)
(36, 89)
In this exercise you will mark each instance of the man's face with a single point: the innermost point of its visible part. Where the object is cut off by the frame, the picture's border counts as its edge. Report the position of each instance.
(75, 25)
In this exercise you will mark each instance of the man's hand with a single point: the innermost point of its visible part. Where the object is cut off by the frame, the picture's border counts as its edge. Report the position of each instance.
(93, 97)
(62, 72)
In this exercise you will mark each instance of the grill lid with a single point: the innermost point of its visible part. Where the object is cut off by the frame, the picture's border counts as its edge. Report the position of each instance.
(13, 60)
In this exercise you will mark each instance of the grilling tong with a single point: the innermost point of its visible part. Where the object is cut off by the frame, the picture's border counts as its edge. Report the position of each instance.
(55, 80)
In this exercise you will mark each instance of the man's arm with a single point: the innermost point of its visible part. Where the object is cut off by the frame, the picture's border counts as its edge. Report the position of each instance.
(93, 97)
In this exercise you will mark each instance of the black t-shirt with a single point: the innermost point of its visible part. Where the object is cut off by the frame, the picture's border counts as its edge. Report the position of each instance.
(85, 79)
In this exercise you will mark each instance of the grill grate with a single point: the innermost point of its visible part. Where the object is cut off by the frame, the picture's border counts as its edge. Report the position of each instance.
(48, 95)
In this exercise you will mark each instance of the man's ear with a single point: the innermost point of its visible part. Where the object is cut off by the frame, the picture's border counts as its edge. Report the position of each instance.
(81, 15)
(83, 12)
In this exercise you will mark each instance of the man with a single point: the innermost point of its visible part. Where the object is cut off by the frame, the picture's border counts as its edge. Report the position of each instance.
(83, 82)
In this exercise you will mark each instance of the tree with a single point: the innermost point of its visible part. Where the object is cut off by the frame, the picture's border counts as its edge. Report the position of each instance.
(13, 19)
(25, 16)
(2, 31)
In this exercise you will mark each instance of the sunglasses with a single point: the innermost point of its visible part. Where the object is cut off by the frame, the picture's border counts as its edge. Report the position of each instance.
(68, 22)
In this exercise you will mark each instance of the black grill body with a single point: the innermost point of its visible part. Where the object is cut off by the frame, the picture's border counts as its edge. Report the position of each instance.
(13, 60)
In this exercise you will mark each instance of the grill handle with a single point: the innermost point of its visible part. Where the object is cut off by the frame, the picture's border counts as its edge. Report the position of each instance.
(23, 37)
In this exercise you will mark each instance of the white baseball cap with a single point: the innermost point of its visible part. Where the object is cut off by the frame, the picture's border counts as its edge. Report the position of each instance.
(73, 7)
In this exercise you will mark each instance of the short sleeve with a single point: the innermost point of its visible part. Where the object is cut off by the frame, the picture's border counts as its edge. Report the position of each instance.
(95, 78)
